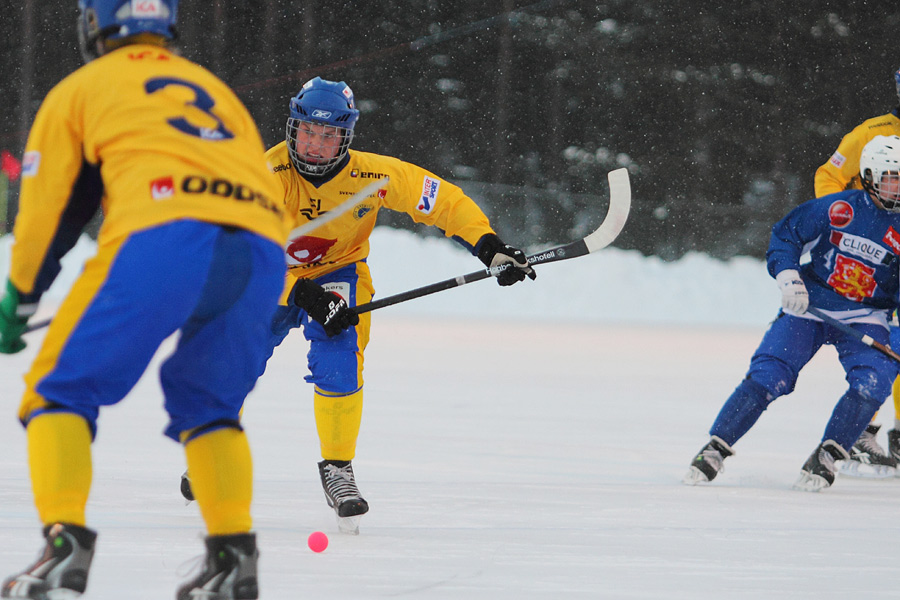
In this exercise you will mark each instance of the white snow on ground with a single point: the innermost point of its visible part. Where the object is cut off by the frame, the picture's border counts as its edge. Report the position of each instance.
(517, 443)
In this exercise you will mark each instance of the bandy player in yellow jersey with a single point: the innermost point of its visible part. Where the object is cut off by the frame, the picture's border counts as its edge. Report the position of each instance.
(327, 271)
(841, 172)
(192, 242)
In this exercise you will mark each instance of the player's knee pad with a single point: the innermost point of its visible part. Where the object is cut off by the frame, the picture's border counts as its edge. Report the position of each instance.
(774, 375)
(871, 384)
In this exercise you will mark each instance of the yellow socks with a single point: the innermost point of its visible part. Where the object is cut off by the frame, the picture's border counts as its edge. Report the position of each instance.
(337, 421)
(59, 454)
(896, 394)
(222, 479)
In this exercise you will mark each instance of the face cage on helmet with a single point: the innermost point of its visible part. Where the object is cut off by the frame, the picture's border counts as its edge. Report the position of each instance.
(892, 203)
(316, 168)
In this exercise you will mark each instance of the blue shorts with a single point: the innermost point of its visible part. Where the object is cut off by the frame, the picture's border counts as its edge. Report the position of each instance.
(218, 286)
(335, 363)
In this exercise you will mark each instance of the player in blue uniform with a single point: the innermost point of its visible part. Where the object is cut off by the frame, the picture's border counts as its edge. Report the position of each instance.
(839, 173)
(853, 239)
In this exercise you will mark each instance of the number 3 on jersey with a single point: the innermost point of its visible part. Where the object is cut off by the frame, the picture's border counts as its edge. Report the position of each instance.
(202, 100)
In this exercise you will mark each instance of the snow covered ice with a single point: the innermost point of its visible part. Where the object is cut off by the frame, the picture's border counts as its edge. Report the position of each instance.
(517, 443)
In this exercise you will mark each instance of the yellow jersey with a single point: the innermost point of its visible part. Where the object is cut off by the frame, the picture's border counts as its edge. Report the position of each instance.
(151, 138)
(841, 172)
(425, 197)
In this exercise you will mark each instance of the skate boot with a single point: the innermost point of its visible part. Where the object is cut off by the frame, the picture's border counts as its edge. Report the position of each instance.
(709, 462)
(229, 572)
(818, 470)
(62, 569)
(186, 490)
(894, 443)
(868, 458)
(342, 494)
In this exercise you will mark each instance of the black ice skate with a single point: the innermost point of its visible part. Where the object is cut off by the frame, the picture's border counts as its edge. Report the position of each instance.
(818, 470)
(62, 569)
(229, 572)
(186, 490)
(342, 494)
(709, 462)
(868, 458)
(894, 443)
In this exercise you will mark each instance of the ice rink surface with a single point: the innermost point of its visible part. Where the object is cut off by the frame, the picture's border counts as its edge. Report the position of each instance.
(504, 457)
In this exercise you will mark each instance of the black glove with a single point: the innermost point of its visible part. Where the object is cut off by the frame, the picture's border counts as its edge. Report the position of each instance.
(494, 253)
(326, 308)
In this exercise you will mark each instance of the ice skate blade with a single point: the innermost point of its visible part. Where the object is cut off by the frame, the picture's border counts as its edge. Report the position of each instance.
(694, 476)
(854, 468)
(349, 525)
(62, 594)
(810, 483)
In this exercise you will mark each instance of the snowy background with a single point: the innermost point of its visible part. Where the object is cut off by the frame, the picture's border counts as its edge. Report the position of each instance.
(523, 442)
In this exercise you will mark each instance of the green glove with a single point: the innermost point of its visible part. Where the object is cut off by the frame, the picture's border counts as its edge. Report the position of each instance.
(12, 325)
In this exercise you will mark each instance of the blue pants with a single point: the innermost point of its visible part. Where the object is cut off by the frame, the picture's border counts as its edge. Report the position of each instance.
(785, 349)
(218, 286)
(335, 363)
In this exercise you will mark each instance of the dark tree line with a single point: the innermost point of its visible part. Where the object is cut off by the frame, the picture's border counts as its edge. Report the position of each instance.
(721, 113)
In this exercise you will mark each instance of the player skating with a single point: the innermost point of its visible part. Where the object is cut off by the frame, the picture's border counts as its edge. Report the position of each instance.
(192, 241)
(841, 172)
(853, 239)
(328, 274)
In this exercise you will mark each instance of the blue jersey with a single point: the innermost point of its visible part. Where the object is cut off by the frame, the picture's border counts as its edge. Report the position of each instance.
(853, 247)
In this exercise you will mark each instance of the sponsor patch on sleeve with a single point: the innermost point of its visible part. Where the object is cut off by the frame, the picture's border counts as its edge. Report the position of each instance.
(892, 239)
(429, 195)
(30, 163)
(837, 159)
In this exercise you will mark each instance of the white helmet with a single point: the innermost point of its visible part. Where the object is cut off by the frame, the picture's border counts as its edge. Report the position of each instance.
(879, 157)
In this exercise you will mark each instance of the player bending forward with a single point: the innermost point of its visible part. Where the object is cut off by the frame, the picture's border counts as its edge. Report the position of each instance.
(327, 271)
(191, 243)
(853, 238)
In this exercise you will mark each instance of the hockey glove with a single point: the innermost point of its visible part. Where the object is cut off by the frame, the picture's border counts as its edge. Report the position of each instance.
(496, 255)
(794, 297)
(326, 308)
(13, 319)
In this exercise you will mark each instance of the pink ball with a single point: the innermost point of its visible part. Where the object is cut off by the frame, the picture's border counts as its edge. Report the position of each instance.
(317, 541)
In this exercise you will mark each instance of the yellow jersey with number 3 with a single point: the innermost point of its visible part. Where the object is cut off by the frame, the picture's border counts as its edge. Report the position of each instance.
(152, 138)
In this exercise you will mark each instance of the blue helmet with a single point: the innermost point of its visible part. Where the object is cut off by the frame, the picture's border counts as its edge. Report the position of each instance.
(326, 111)
(118, 19)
